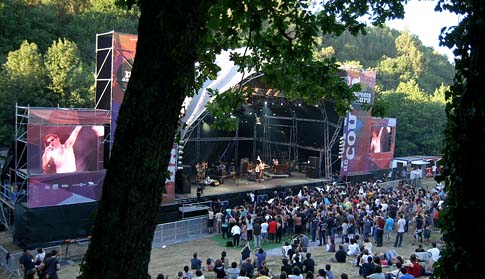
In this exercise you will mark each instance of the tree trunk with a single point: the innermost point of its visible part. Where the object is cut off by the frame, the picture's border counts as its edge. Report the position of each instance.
(162, 74)
(465, 153)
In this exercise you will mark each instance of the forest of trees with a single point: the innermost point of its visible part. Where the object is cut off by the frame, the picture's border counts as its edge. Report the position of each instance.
(47, 57)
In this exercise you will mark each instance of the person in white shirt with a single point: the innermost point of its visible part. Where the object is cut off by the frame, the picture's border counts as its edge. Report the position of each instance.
(435, 252)
(353, 248)
(284, 250)
(264, 231)
(39, 258)
(401, 223)
(236, 234)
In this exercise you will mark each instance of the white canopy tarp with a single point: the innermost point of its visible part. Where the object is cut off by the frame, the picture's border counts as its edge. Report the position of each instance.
(227, 77)
(420, 162)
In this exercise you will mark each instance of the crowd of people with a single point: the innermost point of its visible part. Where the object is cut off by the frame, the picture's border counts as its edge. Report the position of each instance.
(44, 265)
(348, 220)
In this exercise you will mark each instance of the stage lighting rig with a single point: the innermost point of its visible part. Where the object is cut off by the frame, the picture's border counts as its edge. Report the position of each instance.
(341, 147)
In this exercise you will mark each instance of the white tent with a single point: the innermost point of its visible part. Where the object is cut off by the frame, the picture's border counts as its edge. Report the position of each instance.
(420, 162)
(229, 76)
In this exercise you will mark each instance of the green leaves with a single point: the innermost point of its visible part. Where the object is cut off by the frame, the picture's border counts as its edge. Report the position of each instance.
(69, 82)
(464, 153)
(22, 81)
(57, 78)
(421, 118)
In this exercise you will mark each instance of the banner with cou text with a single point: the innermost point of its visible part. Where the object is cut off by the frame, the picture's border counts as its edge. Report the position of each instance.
(368, 143)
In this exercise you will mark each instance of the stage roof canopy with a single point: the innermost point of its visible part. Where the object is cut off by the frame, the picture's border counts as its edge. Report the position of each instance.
(229, 76)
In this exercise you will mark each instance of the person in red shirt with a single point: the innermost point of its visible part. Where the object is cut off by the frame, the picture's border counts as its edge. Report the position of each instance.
(413, 268)
(272, 226)
(380, 222)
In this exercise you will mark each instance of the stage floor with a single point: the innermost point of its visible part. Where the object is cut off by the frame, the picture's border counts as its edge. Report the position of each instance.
(244, 185)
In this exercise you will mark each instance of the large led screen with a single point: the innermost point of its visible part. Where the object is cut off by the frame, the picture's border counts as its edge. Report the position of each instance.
(65, 152)
(368, 143)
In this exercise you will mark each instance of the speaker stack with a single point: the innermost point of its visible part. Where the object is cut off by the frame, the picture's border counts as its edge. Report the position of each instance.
(182, 180)
(313, 169)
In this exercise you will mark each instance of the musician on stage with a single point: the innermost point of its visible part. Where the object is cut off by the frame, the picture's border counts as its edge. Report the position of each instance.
(275, 165)
(259, 170)
(222, 168)
(198, 168)
(205, 169)
(232, 170)
(250, 168)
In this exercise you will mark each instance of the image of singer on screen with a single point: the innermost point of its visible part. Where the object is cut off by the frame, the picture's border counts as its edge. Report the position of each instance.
(82, 149)
(380, 139)
(59, 157)
(375, 142)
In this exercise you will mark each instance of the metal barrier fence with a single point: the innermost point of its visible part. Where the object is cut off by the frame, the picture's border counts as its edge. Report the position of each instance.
(393, 183)
(175, 232)
(9, 262)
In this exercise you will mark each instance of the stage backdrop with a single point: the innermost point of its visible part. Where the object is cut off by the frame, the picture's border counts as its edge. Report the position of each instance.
(65, 152)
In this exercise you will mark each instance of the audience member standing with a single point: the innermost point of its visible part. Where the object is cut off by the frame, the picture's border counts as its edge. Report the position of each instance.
(264, 231)
(51, 265)
(257, 234)
(210, 220)
(380, 223)
(260, 257)
(401, 228)
(236, 234)
(272, 226)
(218, 217)
(388, 227)
(27, 264)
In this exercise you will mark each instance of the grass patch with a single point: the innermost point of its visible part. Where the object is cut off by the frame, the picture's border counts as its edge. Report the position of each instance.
(219, 241)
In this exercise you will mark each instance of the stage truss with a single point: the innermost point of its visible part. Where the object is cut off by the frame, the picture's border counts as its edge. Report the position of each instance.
(331, 132)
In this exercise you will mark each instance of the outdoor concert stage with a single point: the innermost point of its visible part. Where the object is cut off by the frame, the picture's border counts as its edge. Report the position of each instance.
(243, 185)
(234, 192)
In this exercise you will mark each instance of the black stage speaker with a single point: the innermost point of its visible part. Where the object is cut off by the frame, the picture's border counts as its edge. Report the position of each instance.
(182, 181)
(244, 166)
(314, 162)
(312, 172)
